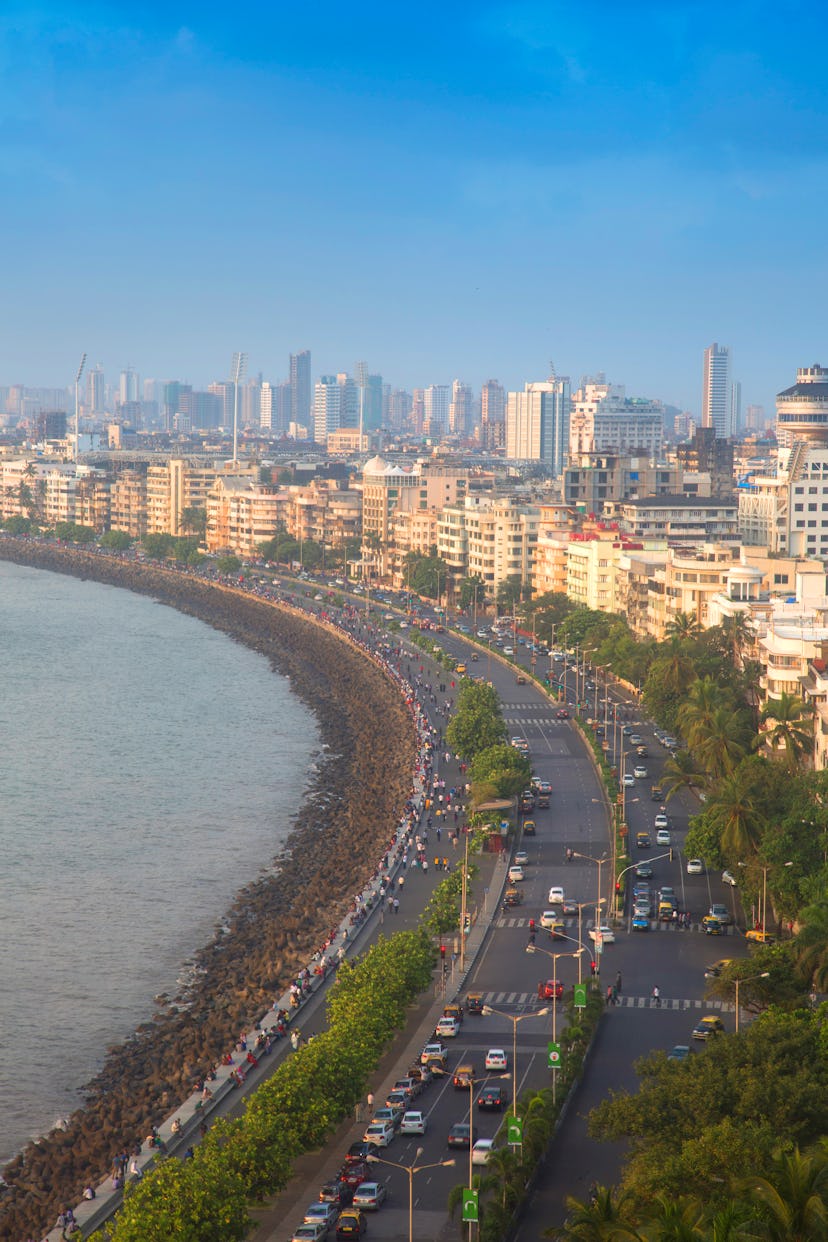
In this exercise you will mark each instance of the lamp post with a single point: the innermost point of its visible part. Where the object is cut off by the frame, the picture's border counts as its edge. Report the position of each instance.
(531, 948)
(585, 905)
(599, 862)
(411, 1169)
(764, 975)
(514, 1019)
(763, 913)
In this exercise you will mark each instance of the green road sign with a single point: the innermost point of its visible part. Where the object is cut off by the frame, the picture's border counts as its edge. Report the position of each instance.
(580, 995)
(553, 1055)
(469, 1205)
(514, 1130)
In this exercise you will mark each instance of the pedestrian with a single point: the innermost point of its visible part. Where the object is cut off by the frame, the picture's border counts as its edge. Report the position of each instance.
(657, 997)
(396, 905)
(609, 994)
(401, 882)
(370, 1101)
(618, 982)
(614, 995)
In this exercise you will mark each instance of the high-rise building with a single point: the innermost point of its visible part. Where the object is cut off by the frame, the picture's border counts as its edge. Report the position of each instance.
(349, 398)
(493, 414)
(717, 397)
(224, 390)
(327, 407)
(373, 400)
(399, 409)
(461, 410)
(418, 411)
(129, 386)
(300, 388)
(755, 418)
(250, 398)
(436, 400)
(170, 402)
(537, 423)
(95, 391)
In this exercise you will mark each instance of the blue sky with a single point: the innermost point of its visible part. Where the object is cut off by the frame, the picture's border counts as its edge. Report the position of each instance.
(455, 190)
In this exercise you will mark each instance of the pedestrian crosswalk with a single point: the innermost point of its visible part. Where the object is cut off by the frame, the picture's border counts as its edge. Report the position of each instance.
(528, 1000)
(655, 925)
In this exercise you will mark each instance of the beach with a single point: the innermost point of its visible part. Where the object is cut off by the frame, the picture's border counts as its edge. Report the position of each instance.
(277, 919)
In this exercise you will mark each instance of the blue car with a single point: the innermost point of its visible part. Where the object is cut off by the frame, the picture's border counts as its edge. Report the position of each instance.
(640, 922)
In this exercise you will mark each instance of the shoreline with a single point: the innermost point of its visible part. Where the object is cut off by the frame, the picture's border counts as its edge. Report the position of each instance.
(277, 919)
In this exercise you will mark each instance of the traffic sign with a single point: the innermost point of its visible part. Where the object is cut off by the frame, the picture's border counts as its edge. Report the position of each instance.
(553, 1055)
(469, 1205)
(514, 1130)
(580, 995)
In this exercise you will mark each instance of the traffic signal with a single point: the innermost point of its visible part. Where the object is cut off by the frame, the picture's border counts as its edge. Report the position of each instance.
(442, 950)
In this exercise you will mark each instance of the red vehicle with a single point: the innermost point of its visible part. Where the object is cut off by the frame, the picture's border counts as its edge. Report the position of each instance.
(562, 713)
(552, 989)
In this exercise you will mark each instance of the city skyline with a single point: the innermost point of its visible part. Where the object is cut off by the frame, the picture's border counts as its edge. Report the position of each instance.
(650, 181)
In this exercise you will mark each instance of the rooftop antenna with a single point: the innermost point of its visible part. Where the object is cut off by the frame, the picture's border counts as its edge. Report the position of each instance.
(77, 402)
(238, 368)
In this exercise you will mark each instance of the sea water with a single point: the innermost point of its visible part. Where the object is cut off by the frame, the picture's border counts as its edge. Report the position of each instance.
(149, 767)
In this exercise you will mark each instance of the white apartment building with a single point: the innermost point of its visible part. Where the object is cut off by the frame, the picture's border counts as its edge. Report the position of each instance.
(678, 519)
(500, 537)
(605, 420)
(172, 488)
(537, 423)
(327, 407)
(241, 514)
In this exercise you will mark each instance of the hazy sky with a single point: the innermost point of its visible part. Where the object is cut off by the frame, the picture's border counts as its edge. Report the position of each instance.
(453, 190)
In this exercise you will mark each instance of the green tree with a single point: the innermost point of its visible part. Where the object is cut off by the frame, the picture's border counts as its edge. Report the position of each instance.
(474, 730)
(682, 626)
(509, 593)
(737, 815)
(681, 772)
(811, 944)
(194, 520)
(792, 729)
(471, 587)
(228, 564)
(502, 768)
(791, 1199)
(609, 1216)
(17, 524)
(116, 540)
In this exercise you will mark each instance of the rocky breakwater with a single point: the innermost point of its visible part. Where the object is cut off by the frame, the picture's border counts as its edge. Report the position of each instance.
(275, 923)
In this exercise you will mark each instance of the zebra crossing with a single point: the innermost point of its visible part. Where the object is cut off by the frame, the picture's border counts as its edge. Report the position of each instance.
(527, 1000)
(655, 925)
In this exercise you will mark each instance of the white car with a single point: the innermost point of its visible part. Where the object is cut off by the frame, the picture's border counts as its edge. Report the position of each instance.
(508, 651)
(640, 773)
(413, 1123)
(310, 1231)
(661, 821)
(695, 866)
(495, 1059)
(516, 873)
(628, 780)
(521, 858)
(379, 1132)
(549, 918)
(556, 894)
(603, 935)
(326, 1212)
(662, 837)
(481, 1151)
(447, 1028)
(729, 878)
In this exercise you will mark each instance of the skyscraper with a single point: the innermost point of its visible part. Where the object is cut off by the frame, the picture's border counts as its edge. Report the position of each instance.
(327, 406)
(717, 398)
(300, 388)
(95, 391)
(436, 399)
(129, 385)
(461, 409)
(493, 414)
(537, 423)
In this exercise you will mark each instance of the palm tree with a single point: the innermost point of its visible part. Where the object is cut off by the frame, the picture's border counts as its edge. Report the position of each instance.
(696, 712)
(606, 1216)
(724, 744)
(682, 772)
(675, 1220)
(811, 944)
(737, 633)
(736, 815)
(683, 626)
(791, 1200)
(793, 728)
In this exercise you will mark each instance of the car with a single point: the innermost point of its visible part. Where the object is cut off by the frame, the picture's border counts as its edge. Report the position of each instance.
(493, 1097)
(495, 1059)
(380, 1132)
(411, 1086)
(350, 1175)
(508, 651)
(335, 1192)
(481, 1151)
(434, 1054)
(527, 801)
(670, 742)
(360, 1151)
(369, 1196)
(552, 990)
(708, 1026)
(640, 922)
(642, 840)
(529, 829)
(544, 787)
(512, 897)
(643, 905)
(661, 820)
(447, 1028)
(663, 836)
(392, 1115)
(558, 930)
(644, 870)
(641, 890)
(636, 739)
(474, 1002)
(516, 875)
(569, 906)
(350, 1224)
(627, 731)
(714, 970)
(642, 752)
(640, 772)
(413, 1122)
(729, 878)
(519, 743)
(602, 935)
(656, 793)
(463, 1076)
(548, 919)
(397, 1099)
(521, 858)
(759, 936)
(679, 1052)
(628, 780)
(459, 1135)
(482, 634)
(720, 912)
(520, 679)
(667, 893)
(711, 925)
(562, 714)
(556, 894)
(695, 866)
(322, 1210)
(310, 1231)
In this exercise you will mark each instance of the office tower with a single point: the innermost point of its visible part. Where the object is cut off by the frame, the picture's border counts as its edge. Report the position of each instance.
(755, 418)
(300, 388)
(735, 408)
(95, 391)
(129, 386)
(373, 401)
(327, 399)
(436, 400)
(349, 398)
(200, 411)
(717, 398)
(461, 409)
(399, 409)
(537, 423)
(418, 411)
(493, 414)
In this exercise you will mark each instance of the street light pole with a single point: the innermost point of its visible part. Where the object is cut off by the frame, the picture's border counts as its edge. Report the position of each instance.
(514, 1019)
(738, 982)
(531, 948)
(411, 1169)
